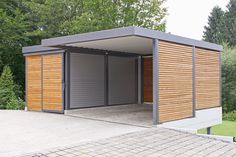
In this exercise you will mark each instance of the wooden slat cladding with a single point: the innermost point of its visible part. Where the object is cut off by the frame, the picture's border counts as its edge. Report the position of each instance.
(34, 100)
(147, 63)
(207, 79)
(52, 82)
(175, 81)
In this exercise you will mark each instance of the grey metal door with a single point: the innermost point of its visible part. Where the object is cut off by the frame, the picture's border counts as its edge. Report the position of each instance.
(86, 80)
(122, 80)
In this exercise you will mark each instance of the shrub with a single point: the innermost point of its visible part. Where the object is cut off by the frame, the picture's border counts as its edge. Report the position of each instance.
(8, 91)
(231, 116)
(15, 104)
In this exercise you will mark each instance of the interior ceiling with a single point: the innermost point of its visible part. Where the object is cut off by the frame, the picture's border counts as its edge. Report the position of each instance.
(130, 44)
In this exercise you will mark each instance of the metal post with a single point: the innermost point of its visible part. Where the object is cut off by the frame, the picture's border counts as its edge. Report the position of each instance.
(67, 80)
(106, 73)
(26, 84)
(220, 77)
(193, 83)
(155, 82)
(139, 80)
(209, 131)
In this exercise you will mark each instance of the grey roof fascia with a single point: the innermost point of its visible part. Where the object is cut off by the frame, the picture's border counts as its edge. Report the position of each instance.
(38, 49)
(129, 31)
(139, 31)
(91, 36)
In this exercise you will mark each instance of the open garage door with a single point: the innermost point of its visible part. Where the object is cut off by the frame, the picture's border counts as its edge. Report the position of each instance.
(122, 76)
(86, 80)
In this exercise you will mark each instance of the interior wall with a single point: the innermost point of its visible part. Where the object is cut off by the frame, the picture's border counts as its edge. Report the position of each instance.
(122, 80)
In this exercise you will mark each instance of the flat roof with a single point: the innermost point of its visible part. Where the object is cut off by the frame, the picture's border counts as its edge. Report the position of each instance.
(127, 39)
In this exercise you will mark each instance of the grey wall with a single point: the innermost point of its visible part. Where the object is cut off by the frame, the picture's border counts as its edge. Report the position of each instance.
(86, 80)
(122, 80)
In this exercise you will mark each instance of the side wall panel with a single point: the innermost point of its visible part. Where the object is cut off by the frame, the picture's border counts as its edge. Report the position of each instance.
(207, 79)
(34, 100)
(52, 82)
(175, 81)
(147, 79)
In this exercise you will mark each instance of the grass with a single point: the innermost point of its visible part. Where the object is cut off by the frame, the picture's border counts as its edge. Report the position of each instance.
(227, 128)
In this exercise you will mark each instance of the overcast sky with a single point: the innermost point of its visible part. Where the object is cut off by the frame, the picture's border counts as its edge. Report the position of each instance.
(188, 17)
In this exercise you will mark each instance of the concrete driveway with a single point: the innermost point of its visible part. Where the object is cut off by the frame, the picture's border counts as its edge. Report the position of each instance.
(23, 132)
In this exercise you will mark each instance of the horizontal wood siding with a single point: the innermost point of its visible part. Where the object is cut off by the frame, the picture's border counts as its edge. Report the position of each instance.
(52, 82)
(175, 81)
(34, 100)
(147, 63)
(207, 79)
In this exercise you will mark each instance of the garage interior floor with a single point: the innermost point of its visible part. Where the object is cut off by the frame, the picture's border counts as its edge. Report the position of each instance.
(132, 114)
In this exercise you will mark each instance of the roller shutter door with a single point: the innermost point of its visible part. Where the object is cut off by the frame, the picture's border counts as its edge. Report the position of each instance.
(86, 80)
(122, 80)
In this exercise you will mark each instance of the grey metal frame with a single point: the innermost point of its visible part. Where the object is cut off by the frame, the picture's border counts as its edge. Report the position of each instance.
(220, 76)
(128, 31)
(140, 80)
(67, 80)
(155, 82)
(137, 80)
(193, 82)
(106, 78)
(26, 83)
(42, 83)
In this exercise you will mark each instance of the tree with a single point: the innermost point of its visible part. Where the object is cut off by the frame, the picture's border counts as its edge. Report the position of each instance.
(6, 87)
(222, 25)
(230, 23)
(228, 79)
(26, 22)
(8, 93)
(64, 17)
(214, 31)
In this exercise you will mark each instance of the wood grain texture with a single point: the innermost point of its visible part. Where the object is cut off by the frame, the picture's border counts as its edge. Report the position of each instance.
(175, 81)
(147, 63)
(207, 79)
(52, 82)
(34, 100)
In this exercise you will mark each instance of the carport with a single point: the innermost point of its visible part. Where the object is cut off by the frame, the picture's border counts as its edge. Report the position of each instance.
(119, 71)
(105, 75)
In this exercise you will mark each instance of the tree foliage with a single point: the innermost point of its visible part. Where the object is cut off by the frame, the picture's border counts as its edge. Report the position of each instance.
(26, 22)
(8, 91)
(214, 31)
(222, 25)
(228, 79)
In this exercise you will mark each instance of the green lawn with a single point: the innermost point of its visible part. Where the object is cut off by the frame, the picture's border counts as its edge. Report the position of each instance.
(227, 128)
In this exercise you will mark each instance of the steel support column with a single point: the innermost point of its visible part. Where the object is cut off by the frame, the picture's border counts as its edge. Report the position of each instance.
(155, 82)
(139, 80)
(67, 80)
(194, 82)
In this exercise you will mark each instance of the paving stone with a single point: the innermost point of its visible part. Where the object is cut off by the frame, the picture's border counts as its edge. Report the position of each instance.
(148, 143)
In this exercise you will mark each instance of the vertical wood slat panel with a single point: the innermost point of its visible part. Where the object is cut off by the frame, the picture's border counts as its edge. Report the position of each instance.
(207, 79)
(175, 81)
(34, 101)
(147, 63)
(52, 82)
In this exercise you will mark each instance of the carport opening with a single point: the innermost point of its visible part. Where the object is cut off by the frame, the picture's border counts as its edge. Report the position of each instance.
(111, 80)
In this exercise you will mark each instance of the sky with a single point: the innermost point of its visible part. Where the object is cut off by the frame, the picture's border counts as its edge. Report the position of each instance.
(188, 17)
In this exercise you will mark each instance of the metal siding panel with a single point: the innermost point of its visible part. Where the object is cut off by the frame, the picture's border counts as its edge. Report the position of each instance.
(86, 80)
(122, 78)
